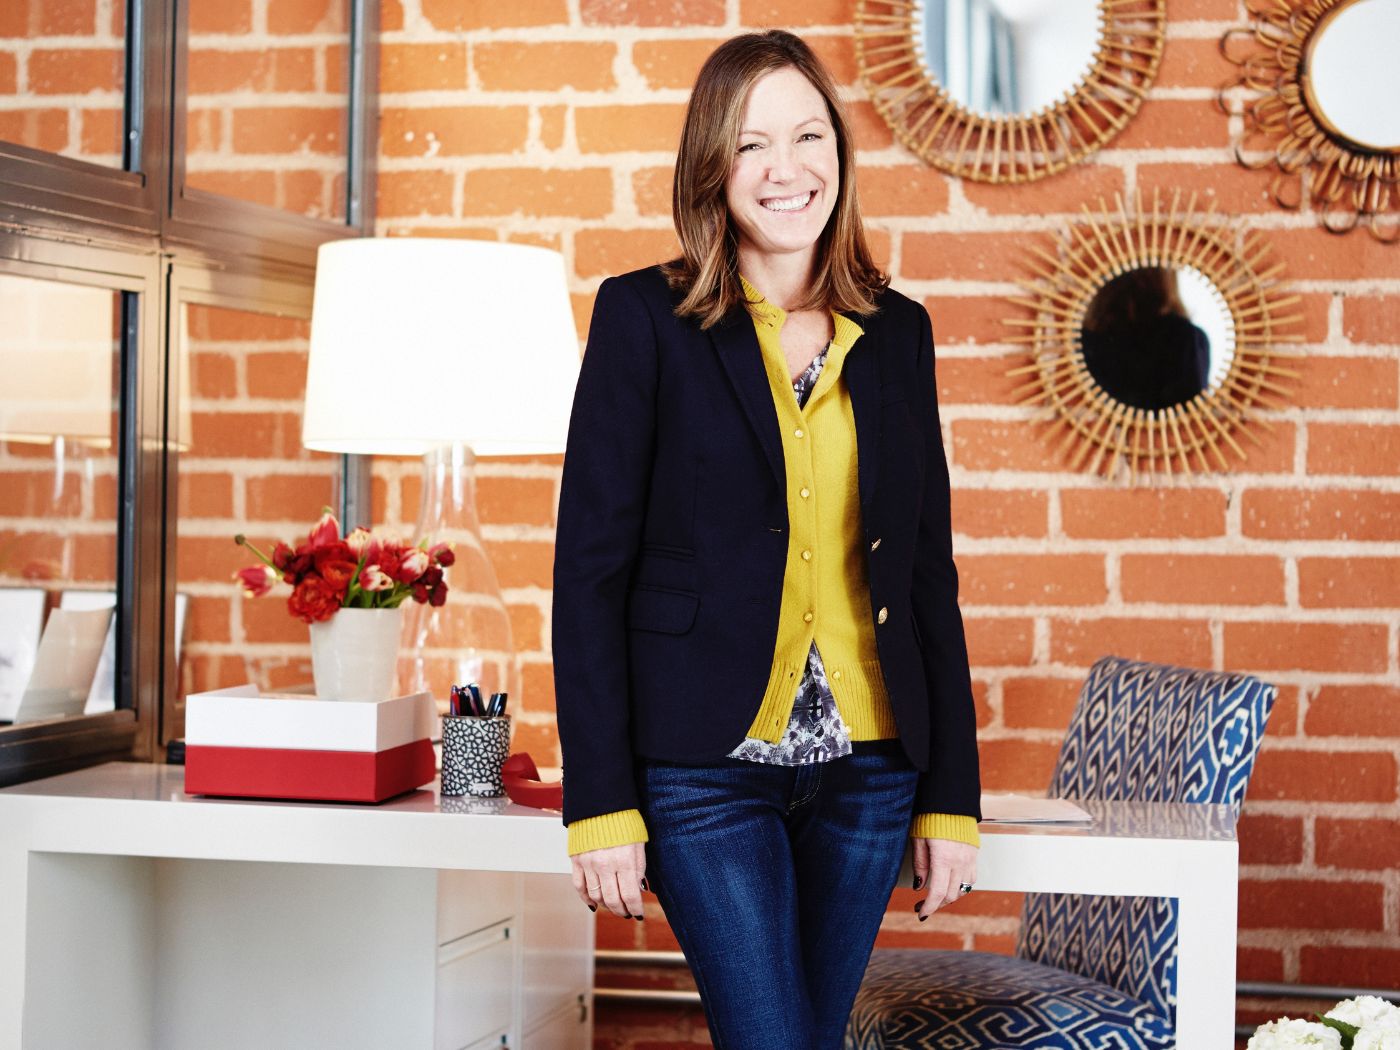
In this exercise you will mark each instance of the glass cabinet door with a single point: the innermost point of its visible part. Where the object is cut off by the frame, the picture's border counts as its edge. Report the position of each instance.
(267, 103)
(63, 77)
(60, 433)
(242, 469)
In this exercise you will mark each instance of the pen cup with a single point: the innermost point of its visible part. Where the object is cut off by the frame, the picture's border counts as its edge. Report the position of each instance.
(474, 747)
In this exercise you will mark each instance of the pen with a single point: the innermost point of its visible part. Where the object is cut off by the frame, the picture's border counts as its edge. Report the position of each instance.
(478, 706)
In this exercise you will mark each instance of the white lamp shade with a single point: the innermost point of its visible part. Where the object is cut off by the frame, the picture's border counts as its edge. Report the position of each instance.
(57, 346)
(422, 342)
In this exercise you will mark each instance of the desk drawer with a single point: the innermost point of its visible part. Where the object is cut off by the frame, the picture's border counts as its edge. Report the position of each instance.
(565, 1029)
(473, 900)
(495, 1041)
(475, 980)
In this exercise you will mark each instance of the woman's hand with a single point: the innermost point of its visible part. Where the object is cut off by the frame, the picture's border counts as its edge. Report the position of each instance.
(940, 867)
(612, 876)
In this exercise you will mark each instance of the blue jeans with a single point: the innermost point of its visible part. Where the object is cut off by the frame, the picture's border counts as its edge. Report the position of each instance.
(774, 880)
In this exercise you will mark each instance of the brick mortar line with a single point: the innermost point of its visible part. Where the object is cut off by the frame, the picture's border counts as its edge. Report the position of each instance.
(1301, 415)
(1227, 615)
(1184, 29)
(1327, 873)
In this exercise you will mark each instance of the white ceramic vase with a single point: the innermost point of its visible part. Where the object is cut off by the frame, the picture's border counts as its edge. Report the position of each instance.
(353, 654)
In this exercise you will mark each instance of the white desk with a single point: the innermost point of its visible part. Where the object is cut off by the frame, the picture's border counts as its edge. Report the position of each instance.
(117, 889)
(135, 916)
(1141, 849)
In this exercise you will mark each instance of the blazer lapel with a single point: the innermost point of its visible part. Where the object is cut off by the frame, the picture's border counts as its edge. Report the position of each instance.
(862, 376)
(737, 344)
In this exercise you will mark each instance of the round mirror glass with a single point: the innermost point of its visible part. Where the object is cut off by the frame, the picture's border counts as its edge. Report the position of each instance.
(1157, 336)
(1352, 78)
(1004, 57)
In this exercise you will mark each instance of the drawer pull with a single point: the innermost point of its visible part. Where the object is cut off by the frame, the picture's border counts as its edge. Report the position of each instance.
(473, 942)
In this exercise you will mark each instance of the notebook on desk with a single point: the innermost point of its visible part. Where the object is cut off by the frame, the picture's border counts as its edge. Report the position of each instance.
(64, 665)
(1022, 809)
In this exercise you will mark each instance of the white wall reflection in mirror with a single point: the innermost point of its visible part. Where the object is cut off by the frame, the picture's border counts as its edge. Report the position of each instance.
(1157, 336)
(1003, 57)
(1352, 77)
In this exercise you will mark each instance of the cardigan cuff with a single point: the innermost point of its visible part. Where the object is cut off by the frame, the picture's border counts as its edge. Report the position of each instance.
(952, 826)
(607, 829)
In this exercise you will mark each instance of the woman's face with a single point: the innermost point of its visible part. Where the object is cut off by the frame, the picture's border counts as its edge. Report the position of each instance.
(785, 175)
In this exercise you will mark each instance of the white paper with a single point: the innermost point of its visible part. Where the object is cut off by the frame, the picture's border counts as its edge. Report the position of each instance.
(65, 664)
(1022, 809)
(103, 695)
(21, 622)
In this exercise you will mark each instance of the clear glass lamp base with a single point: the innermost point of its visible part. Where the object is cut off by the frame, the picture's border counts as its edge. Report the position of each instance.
(469, 638)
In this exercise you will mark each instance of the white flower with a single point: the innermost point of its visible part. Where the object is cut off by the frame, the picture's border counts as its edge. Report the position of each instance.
(1285, 1034)
(1377, 1039)
(1368, 1011)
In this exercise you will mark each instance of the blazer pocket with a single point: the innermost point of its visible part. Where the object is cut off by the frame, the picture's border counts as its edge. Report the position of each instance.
(666, 611)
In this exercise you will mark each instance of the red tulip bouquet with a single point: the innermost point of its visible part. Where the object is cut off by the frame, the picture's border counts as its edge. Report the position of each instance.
(362, 570)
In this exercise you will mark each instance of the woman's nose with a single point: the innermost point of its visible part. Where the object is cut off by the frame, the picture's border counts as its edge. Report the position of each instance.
(782, 165)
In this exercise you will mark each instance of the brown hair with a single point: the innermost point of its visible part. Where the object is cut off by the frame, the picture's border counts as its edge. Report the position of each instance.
(1134, 297)
(846, 277)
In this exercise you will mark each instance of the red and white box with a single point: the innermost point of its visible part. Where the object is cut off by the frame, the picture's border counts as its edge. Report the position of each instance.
(243, 743)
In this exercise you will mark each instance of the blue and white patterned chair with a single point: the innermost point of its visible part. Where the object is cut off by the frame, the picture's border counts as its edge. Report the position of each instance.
(1088, 972)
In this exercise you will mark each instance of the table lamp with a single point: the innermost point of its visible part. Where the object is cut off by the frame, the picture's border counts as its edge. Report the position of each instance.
(449, 350)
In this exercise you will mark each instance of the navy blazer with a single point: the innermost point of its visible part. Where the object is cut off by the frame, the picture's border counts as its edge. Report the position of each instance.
(673, 535)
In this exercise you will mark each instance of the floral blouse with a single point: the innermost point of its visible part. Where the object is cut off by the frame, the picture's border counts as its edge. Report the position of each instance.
(815, 731)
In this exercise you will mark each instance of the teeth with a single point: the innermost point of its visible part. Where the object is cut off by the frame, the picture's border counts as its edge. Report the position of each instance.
(788, 203)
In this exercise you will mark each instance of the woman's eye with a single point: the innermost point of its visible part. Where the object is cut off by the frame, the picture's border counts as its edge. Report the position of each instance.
(810, 136)
(747, 146)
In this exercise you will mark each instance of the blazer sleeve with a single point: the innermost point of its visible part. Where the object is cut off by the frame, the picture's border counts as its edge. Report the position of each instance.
(952, 784)
(602, 504)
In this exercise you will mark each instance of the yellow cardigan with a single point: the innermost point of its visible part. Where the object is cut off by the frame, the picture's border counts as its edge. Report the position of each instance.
(825, 596)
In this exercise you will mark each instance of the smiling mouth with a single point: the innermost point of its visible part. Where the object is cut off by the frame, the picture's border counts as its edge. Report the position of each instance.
(789, 204)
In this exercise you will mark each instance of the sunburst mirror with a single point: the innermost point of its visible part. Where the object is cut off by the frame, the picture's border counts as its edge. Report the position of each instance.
(1007, 90)
(1154, 337)
(1319, 92)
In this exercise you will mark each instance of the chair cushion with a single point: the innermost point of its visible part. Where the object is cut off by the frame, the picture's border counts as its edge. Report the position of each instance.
(956, 1000)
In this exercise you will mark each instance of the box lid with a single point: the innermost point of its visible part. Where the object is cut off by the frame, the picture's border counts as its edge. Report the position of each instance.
(241, 716)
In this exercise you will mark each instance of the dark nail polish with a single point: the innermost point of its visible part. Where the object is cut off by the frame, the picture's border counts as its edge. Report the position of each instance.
(644, 883)
(637, 917)
(593, 907)
(918, 904)
(918, 881)
(923, 918)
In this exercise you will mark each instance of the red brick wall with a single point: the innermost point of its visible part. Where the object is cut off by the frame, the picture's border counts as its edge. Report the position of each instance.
(555, 122)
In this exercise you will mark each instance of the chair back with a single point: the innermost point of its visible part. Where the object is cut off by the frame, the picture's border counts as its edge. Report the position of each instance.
(1148, 733)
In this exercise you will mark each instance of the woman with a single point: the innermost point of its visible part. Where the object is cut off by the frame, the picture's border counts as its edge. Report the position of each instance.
(761, 675)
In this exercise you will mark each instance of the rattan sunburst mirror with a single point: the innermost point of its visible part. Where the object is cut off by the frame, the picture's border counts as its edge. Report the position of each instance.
(1318, 86)
(1007, 90)
(1154, 337)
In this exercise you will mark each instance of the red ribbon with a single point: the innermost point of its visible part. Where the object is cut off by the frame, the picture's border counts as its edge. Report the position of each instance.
(523, 784)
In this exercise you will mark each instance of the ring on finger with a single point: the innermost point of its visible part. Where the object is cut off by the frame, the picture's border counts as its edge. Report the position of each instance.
(964, 888)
